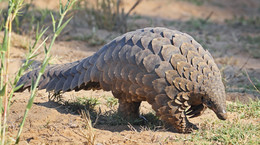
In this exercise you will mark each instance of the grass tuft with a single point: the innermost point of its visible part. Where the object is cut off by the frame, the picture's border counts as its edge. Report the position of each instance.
(88, 131)
(235, 131)
(111, 101)
(83, 103)
(246, 111)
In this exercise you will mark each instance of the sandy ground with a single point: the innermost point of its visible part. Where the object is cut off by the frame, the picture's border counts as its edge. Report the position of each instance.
(51, 122)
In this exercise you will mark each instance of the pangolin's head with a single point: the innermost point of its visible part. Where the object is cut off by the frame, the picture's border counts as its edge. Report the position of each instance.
(215, 99)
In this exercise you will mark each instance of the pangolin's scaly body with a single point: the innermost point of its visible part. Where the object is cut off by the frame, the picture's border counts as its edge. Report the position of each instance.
(167, 68)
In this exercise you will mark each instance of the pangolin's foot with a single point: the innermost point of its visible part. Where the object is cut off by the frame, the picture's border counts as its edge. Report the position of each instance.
(180, 123)
(189, 128)
(186, 126)
(129, 111)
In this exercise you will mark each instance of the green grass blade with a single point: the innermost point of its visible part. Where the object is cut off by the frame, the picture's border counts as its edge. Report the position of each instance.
(53, 22)
(62, 26)
(2, 91)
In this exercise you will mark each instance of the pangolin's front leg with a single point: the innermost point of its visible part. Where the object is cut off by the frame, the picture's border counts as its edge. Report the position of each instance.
(173, 111)
(196, 110)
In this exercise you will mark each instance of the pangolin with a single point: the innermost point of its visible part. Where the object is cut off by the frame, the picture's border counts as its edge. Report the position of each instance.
(166, 68)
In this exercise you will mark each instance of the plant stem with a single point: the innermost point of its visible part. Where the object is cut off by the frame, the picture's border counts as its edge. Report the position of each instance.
(8, 25)
(28, 107)
(13, 8)
(43, 66)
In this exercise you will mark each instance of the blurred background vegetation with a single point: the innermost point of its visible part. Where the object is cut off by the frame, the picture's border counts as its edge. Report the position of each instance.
(99, 21)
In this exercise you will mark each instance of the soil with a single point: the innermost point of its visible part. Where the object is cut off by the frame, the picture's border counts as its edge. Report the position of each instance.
(51, 122)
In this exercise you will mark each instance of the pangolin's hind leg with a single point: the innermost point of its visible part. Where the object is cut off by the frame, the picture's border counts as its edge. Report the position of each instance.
(127, 108)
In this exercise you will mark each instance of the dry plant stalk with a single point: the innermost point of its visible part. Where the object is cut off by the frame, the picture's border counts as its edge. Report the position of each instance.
(251, 82)
(13, 9)
(89, 133)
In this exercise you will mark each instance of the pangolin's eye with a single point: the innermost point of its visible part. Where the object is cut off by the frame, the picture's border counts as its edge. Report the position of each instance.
(209, 103)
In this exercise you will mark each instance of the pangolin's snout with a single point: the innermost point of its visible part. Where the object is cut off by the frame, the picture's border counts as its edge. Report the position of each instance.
(222, 115)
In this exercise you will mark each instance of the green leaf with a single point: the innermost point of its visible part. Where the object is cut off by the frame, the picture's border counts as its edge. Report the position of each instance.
(30, 102)
(45, 48)
(53, 22)
(18, 87)
(37, 31)
(4, 46)
(44, 65)
(67, 4)
(71, 4)
(28, 64)
(31, 57)
(61, 8)
(62, 26)
(2, 92)
(32, 84)
(42, 32)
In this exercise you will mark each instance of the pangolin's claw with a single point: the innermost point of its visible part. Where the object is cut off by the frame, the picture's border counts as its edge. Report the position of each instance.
(195, 111)
(190, 128)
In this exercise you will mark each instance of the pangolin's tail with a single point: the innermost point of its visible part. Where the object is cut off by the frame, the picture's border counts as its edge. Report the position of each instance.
(63, 77)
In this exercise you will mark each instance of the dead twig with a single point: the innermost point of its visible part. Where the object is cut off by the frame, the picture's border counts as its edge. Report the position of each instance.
(130, 126)
(251, 82)
(244, 63)
(208, 17)
(98, 114)
(133, 7)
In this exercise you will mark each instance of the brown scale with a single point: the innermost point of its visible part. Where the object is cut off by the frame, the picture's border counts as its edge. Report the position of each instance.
(169, 50)
(170, 91)
(177, 58)
(159, 85)
(194, 75)
(191, 55)
(170, 75)
(181, 66)
(187, 47)
(195, 61)
(157, 44)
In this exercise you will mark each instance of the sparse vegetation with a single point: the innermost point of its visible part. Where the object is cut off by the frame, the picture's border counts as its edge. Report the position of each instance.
(248, 111)
(235, 131)
(28, 19)
(84, 103)
(111, 101)
(148, 121)
(252, 87)
(197, 24)
(245, 21)
(195, 2)
(252, 44)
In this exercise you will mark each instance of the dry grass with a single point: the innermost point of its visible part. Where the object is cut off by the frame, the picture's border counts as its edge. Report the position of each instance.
(88, 131)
